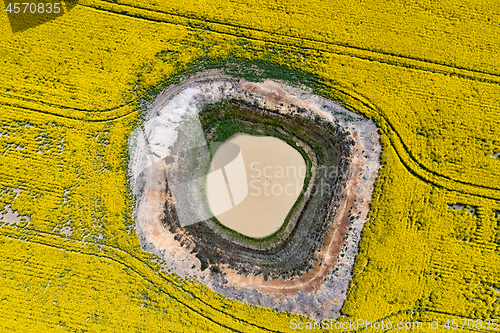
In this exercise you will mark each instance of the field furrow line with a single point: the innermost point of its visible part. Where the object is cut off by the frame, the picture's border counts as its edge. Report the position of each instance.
(297, 43)
(406, 157)
(57, 242)
(88, 116)
(286, 40)
(131, 262)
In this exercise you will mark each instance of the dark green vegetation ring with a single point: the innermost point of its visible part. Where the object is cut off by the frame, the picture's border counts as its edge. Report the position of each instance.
(290, 251)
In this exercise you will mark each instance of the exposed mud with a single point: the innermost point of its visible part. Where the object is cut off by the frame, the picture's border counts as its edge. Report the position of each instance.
(332, 244)
(321, 290)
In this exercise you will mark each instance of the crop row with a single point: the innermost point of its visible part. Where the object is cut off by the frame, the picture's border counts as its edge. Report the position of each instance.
(440, 125)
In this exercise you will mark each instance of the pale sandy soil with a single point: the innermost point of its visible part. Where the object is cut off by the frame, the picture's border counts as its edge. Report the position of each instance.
(321, 291)
(10, 216)
(149, 227)
(355, 197)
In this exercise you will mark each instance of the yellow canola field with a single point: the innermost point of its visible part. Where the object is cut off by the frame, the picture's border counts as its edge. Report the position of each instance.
(70, 93)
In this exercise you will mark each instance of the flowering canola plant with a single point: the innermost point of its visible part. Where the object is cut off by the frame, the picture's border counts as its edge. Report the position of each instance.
(72, 89)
